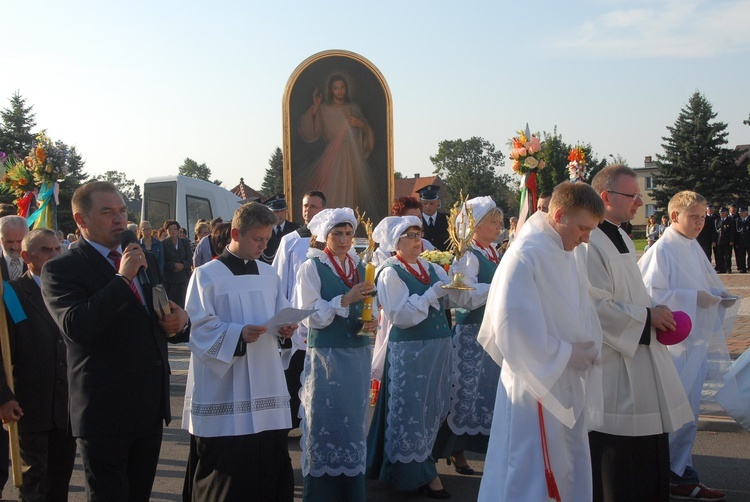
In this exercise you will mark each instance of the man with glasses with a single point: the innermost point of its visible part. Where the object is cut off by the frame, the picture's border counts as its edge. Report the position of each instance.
(643, 397)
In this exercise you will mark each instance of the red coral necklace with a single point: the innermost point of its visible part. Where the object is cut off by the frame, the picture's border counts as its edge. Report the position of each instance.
(422, 276)
(352, 277)
(491, 253)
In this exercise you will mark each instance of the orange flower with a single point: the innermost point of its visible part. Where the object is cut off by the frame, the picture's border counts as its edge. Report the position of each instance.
(28, 162)
(577, 155)
(516, 166)
(41, 155)
(23, 181)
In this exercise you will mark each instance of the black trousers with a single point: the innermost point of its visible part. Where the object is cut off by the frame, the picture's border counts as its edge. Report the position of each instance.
(630, 468)
(740, 257)
(120, 468)
(293, 383)
(48, 458)
(723, 258)
(240, 468)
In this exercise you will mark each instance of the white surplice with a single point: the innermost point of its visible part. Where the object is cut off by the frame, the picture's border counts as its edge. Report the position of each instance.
(642, 392)
(674, 270)
(291, 254)
(228, 395)
(538, 306)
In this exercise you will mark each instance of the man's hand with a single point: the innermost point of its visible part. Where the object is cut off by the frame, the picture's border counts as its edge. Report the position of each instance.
(706, 299)
(174, 322)
(582, 356)
(10, 411)
(133, 258)
(662, 318)
(251, 333)
(288, 331)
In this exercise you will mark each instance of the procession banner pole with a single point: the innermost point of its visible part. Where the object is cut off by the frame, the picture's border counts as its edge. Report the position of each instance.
(15, 451)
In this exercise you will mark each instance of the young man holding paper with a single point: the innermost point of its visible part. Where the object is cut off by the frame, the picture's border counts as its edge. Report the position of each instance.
(236, 401)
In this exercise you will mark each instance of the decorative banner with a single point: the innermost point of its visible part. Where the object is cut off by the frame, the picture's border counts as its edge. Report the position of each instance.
(527, 160)
(46, 215)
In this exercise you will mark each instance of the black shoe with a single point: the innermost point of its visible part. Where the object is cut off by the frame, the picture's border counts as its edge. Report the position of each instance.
(441, 494)
(466, 470)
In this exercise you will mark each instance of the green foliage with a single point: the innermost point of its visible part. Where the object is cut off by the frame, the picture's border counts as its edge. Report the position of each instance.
(192, 169)
(74, 179)
(695, 158)
(15, 131)
(129, 189)
(555, 152)
(273, 180)
(469, 166)
(398, 175)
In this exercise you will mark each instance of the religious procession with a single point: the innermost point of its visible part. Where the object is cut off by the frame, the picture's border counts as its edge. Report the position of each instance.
(573, 367)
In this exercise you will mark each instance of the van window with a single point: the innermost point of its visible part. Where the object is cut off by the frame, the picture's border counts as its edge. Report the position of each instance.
(197, 208)
(159, 201)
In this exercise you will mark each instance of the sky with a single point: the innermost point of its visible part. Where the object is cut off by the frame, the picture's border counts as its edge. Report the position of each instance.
(139, 86)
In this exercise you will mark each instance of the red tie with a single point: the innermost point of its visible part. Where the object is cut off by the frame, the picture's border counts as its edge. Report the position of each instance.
(117, 257)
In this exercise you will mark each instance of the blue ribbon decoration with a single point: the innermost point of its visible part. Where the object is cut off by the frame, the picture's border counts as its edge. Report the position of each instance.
(13, 304)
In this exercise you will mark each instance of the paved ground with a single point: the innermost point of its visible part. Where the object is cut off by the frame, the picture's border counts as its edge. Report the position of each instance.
(721, 453)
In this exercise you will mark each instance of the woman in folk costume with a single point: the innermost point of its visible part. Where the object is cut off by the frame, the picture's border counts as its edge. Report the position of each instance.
(403, 206)
(415, 391)
(475, 374)
(336, 375)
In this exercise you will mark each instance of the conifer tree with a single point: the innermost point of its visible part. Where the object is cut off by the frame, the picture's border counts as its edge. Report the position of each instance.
(695, 158)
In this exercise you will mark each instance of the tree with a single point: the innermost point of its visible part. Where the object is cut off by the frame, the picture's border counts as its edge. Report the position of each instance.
(555, 152)
(74, 179)
(695, 158)
(469, 166)
(192, 169)
(129, 189)
(273, 180)
(15, 132)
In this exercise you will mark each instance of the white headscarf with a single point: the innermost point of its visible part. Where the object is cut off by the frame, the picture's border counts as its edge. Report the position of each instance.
(479, 206)
(322, 223)
(390, 229)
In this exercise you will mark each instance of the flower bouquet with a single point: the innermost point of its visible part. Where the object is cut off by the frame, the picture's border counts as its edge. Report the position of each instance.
(527, 160)
(35, 179)
(442, 258)
(577, 164)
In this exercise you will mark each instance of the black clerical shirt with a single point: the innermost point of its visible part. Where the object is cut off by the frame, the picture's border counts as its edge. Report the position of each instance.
(238, 266)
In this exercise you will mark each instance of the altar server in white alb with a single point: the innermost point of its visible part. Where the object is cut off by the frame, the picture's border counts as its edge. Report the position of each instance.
(643, 398)
(236, 401)
(677, 273)
(541, 325)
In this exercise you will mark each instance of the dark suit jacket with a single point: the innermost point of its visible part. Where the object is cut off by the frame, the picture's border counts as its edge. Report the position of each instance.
(4, 266)
(275, 240)
(183, 254)
(725, 230)
(708, 234)
(118, 372)
(438, 236)
(39, 363)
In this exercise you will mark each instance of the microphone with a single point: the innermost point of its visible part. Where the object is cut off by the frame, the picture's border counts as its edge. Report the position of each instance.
(128, 237)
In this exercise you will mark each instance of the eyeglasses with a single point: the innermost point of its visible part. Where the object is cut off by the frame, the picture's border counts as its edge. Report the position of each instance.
(412, 235)
(634, 196)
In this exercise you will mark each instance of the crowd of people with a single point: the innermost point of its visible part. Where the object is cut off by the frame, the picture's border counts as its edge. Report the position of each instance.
(560, 361)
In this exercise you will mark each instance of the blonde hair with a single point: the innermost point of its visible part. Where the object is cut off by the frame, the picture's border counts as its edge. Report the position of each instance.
(493, 216)
(571, 196)
(683, 200)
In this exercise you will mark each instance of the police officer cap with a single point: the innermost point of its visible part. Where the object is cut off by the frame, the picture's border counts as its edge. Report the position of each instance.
(430, 192)
(743, 209)
(276, 203)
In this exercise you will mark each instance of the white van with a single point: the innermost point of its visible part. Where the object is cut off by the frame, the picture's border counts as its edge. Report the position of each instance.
(186, 200)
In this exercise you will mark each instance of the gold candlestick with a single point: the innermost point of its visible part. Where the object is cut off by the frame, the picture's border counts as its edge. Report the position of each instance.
(366, 258)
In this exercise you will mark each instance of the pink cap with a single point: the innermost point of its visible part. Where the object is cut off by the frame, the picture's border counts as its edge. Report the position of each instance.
(684, 325)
